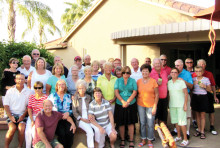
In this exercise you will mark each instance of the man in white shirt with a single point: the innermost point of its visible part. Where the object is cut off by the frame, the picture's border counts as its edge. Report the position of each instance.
(135, 71)
(26, 68)
(78, 62)
(15, 104)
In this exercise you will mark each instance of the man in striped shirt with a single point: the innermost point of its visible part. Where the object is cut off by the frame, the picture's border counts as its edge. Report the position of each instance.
(101, 117)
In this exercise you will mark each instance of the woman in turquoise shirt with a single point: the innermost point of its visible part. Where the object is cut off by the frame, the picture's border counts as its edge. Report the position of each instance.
(126, 107)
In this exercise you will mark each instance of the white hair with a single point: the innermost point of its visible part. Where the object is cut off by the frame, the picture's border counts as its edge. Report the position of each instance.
(27, 56)
(107, 64)
(201, 60)
(180, 61)
(34, 50)
(157, 59)
(81, 82)
(87, 67)
(87, 55)
(163, 55)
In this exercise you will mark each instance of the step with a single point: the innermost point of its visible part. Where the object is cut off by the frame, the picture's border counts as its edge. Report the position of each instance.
(3, 124)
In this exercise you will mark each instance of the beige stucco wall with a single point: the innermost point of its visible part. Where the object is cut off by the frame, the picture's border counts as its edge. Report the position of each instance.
(116, 15)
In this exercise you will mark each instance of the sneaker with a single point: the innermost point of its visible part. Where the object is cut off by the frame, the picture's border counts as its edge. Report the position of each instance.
(195, 124)
(213, 131)
(178, 139)
(173, 133)
(184, 143)
(188, 136)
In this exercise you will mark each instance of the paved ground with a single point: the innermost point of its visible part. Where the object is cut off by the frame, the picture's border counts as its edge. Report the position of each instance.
(211, 141)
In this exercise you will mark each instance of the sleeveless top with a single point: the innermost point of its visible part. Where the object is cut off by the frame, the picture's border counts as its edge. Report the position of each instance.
(43, 78)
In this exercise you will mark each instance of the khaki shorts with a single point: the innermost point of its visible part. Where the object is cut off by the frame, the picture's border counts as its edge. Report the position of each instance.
(40, 144)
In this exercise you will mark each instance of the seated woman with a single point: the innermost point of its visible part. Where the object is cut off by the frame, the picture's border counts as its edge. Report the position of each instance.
(200, 100)
(62, 103)
(89, 81)
(58, 73)
(178, 105)
(102, 120)
(35, 104)
(71, 80)
(80, 111)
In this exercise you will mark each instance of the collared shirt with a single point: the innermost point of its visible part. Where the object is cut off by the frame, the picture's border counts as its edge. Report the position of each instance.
(17, 101)
(52, 81)
(199, 90)
(80, 73)
(107, 86)
(185, 75)
(163, 87)
(25, 71)
(125, 91)
(61, 106)
(100, 112)
(209, 75)
(136, 75)
(167, 69)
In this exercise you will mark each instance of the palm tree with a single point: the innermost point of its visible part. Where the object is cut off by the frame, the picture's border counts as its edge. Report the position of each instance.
(74, 13)
(28, 9)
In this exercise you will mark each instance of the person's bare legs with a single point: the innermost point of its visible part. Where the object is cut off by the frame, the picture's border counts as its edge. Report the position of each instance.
(10, 134)
(21, 133)
(178, 130)
(198, 120)
(202, 114)
(183, 128)
(211, 119)
(131, 133)
(96, 144)
(122, 133)
(112, 138)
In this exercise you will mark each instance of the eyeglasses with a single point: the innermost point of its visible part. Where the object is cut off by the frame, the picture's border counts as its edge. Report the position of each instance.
(126, 73)
(14, 62)
(174, 72)
(38, 87)
(163, 59)
(198, 71)
(177, 65)
(189, 62)
(36, 54)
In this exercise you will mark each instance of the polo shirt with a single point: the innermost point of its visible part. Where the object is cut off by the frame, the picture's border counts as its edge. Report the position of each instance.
(167, 69)
(177, 96)
(100, 112)
(209, 75)
(26, 72)
(136, 75)
(17, 101)
(52, 81)
(185, 75)
(107, 86)
(163, 87)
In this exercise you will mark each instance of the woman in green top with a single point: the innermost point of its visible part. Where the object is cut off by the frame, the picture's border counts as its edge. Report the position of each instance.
(126, 107)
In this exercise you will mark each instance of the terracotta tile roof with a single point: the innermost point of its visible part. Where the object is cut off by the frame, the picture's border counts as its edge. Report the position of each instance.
(189, 8)
(55, 44)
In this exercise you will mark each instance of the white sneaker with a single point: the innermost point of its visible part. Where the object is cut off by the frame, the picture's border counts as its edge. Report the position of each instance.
(178, 139)
(184, 143)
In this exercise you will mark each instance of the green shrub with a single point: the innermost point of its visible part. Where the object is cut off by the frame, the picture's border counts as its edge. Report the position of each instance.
(18, 50)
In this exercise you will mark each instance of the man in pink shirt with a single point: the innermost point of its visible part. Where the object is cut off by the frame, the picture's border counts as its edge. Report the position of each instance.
(163, 59)
(160, 75)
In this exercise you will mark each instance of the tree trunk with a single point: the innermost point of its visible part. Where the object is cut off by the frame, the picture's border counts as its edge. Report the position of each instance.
(11, 21)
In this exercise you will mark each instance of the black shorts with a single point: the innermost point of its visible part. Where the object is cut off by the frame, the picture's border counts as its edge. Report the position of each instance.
(199, 103)
(162, 112)
(210, 108)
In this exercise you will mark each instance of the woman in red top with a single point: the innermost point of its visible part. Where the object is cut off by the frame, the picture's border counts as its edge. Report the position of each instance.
(35, 104)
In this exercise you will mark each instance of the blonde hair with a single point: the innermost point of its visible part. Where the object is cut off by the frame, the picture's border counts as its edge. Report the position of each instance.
(60, 66)
(87, 67)
(63, 81)
(95, 62)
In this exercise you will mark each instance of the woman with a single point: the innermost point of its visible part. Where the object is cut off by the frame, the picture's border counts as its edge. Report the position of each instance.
(8, 77)
(62, 103)
(200, 100)
(58, 73)
(89, 81)
(126, 108)
(117, 72)
(147, 100)
(102, 119)
(95, 70)
(40, 74)
(80, 111)
(178, 105)
(71, 81)
(35, 104)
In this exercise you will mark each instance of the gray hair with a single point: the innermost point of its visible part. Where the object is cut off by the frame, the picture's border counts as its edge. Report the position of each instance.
(163, 55)
(107, 64)
(157, 59)
(179, 60)
(34, 50)
(87, 67)
(87, 55)
(29, 57)
(47, 100)
(74, 66)
(188, 59)
(81, 82)
(201, 60)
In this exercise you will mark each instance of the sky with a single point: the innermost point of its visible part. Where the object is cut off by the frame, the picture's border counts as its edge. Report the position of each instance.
(58, 8)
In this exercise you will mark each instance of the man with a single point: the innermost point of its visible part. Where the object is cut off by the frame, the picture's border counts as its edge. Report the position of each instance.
(78, 63)
(116, 63)
(15, 104)
(27, 68)
(160, 75)
(211, 98)
(187, 78)
(163, 59)
(35, 55)
(45, 127)
(101, 65)
(87, 60)
(148, 60)
(135, 71)
(106, 83)
(58, 59)
(189, 65)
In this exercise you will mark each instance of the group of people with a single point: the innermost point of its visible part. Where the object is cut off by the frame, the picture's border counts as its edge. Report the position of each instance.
(42, 101)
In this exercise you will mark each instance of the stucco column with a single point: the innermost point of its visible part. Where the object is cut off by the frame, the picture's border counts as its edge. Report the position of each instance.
(123, 54)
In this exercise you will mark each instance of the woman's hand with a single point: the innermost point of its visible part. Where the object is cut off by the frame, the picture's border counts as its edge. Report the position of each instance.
(154, 110)
(32, 123)
(202, 85)
(102, 130)
(111, 101)
(114, 131)
(125, 104)
(65, 115)
(73, 127)
(185, 107)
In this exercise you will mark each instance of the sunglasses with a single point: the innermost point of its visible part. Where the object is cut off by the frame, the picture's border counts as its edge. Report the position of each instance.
(36, 54)
(126, 73)
(38, 87)
(14, 62)
(189, 62)
(163, 59)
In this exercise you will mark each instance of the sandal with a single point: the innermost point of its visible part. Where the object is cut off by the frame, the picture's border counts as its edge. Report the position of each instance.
(184, 143)
(122, 145)
(131, 146)
(202, 136)
(142, 144)
(197, 134)
(177, 139)
(150, 145)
